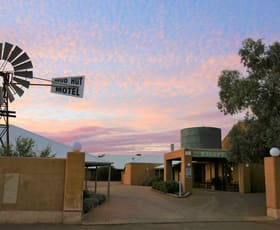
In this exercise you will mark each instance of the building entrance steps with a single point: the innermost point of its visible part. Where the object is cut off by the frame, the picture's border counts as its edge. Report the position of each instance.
(139, 204)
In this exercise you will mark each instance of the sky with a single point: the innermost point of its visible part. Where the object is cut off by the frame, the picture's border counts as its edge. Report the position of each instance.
(151, 67)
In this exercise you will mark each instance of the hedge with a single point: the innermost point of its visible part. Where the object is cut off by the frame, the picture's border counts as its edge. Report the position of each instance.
(90, 200)
(166, 186)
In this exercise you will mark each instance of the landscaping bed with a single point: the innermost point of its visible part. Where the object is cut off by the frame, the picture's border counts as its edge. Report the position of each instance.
(91, 200)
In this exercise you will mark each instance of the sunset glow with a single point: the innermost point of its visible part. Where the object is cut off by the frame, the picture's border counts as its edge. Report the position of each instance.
(151, 67)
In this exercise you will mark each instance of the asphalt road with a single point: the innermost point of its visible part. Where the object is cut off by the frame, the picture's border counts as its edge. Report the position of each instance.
(270, 225)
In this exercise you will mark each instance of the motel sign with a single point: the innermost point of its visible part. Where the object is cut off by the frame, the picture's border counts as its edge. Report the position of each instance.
(69, 86)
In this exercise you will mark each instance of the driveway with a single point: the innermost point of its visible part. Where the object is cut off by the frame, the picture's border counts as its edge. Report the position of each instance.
(138, 204)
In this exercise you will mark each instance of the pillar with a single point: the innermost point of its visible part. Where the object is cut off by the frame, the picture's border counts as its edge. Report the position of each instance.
(73, 188)
(186, 169)
(185, 156)
(244, 178)
(167, 170)
(272, 186)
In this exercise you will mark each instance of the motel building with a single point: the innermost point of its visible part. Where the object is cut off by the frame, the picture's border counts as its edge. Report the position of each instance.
(200, 159)
(199, 163)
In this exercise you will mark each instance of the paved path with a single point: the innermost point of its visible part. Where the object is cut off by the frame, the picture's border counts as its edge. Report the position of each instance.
(138, 208)
(138, 204)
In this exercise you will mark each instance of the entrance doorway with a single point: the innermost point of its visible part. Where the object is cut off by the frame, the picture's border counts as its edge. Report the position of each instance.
(199, 175)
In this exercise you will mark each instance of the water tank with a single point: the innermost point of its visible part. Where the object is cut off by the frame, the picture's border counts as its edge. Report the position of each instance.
(201, 137)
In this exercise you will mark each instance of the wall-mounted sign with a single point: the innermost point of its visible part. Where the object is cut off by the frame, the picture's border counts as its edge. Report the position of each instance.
(188, 172)
(11, 181)
(69, 86)
(209, 154)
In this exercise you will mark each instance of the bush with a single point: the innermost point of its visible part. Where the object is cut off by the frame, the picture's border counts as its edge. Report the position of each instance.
(89, 203)
(160, 185)
(217, 182)
(90, 200)
(150, 181)
(166, 186)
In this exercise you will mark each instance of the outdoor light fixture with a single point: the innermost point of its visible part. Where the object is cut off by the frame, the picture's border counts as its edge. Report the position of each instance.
(76, 146)
(274, 152)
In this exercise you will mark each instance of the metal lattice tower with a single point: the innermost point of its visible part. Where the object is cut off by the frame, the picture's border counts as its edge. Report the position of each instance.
(15, 68)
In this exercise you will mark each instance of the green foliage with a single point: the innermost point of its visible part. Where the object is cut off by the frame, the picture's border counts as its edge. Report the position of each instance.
(166, 186)
(24, 148)
(91, 199)
(217, 182)
(6, 152)
(246, 144)
(47, 152)
(150, 181)
(258, 94)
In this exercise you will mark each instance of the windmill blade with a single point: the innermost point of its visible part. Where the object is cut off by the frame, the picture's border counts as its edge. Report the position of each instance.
(22, 82)
(18, 90)
(26, 65)
(10, 95)
(1, 47)
(16, 51)
(7, 49)
(22, 58)
(27, 74)
(1, 96)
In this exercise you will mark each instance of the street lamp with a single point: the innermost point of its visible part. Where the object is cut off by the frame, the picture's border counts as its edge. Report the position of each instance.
(76, 146)
(274, 152)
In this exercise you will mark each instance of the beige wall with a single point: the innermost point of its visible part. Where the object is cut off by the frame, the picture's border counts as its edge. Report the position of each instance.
(251, 178)
(137, 173)
(209, 172)
(40, 183)
(32, 190)
(257, 178)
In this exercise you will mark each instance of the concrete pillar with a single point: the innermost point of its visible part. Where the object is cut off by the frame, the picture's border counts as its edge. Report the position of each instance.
(186, 169)
(185, 156)
(244, 178)
(272, 186)
(73, 188)
(167, 170)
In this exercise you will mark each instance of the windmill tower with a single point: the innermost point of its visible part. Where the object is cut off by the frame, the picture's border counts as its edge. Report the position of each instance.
(15, 70)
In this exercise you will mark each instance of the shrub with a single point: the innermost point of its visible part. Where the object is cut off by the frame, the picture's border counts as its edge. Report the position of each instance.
(150, 181)
(89, 203)
(166, 186)
(172, 186)
(90, 200)
(160, 185)
(217, 182)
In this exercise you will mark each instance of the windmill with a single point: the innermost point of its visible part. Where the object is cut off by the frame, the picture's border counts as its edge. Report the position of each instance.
(15, 73)
(15, 70)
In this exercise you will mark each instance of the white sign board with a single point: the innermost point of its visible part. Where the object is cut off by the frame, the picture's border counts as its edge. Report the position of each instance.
(189, 172)
(69, 86)
(10, 188)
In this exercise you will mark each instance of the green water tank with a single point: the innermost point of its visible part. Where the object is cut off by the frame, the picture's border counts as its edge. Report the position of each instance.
(201, 137)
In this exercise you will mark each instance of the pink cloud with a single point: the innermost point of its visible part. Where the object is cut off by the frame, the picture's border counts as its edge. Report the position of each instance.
(117, 140)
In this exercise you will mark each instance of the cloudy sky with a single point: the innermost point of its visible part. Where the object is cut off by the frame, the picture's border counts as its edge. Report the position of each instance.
(151, 67)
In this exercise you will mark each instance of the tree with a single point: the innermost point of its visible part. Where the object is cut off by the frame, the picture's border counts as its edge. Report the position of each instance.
(24, 148)
(47, 152)
(244, 145)
(257, 93)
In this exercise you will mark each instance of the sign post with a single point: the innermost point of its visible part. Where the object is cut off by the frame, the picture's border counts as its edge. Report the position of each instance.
(69, 86)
